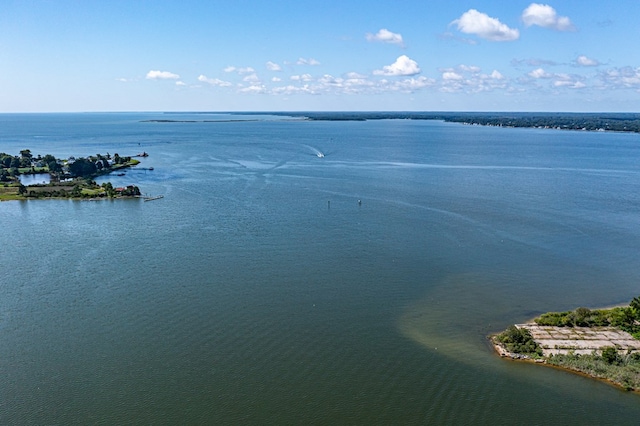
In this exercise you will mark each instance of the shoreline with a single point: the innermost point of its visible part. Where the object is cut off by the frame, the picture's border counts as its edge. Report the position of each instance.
(68, 179)
(602, 344)
(510, 356)
(590, 122)
(586, 122)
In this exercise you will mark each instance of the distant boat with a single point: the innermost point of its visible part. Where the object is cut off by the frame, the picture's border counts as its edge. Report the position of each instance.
(320, 155)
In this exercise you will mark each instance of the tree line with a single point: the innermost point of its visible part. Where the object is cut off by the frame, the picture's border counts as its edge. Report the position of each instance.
(626, 318)
(11, 166)
(616, 122)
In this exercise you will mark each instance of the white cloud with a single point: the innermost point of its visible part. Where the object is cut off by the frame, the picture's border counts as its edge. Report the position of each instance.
(276, 79)
(310, 61)
(567, 80)
(496, 75)
(291, 90)
(402, 66)
(545, 16)
(451, 75)
(350, 84)
(214, 81)
(254, 88)
(539, 73)
(533, 62)
(585, 61)
(328, 81)
(303, 77)
(251, 78)
(470, 79)
(385, 36)
(161, 75)
(482, 25)
(180, 83)
(239, 70)
(356, 83)
(410, 85)
(272, 66)
(469, 68)
(618, 78)
(569, 83)
(558, 80)
(355, 75)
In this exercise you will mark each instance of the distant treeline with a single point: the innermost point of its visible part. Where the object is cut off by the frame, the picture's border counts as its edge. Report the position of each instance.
(611, 122)
(616, 122)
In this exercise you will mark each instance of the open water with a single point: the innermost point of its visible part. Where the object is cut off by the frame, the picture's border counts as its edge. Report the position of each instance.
(271, 285)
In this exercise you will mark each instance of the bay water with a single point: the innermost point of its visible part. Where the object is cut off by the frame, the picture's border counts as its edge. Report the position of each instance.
(311, 272)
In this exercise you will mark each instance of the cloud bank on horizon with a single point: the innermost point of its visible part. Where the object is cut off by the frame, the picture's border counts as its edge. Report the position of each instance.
(525, 56)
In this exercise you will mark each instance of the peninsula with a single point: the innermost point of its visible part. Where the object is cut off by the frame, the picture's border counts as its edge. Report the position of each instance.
(602, 343)
(68, 178)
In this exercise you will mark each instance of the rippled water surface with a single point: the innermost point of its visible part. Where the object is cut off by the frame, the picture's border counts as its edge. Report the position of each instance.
(273, 285)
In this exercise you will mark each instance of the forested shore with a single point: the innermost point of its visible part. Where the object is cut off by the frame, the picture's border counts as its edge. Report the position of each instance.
(615, 122)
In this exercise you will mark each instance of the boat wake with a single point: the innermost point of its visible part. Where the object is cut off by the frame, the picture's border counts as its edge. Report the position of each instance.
(316, 151)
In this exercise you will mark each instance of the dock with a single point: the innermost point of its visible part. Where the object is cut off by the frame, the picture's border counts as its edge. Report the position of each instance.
(157, 197)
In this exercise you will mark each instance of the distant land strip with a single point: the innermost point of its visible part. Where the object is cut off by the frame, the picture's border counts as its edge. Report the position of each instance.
(612, 122)
(595, 122)
(163, 120)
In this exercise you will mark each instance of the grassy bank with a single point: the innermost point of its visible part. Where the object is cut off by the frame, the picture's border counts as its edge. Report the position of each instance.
(609, 362)
(620, 369)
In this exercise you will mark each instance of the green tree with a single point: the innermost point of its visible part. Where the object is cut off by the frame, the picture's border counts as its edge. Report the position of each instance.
(519, 340)
(610, 356)
(76, 191)
(131, 190)
(108, 189)
(579, 316)
(49, 158)
(5, 160)
(25, 162)
(82, 167)
(622, 317)
(54, 166)
(635, 306)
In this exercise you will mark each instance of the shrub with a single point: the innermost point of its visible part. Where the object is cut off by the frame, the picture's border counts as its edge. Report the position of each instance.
(610, 356)
(520, 341)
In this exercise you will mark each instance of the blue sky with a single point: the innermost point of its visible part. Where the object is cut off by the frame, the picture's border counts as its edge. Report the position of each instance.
(487, 55)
